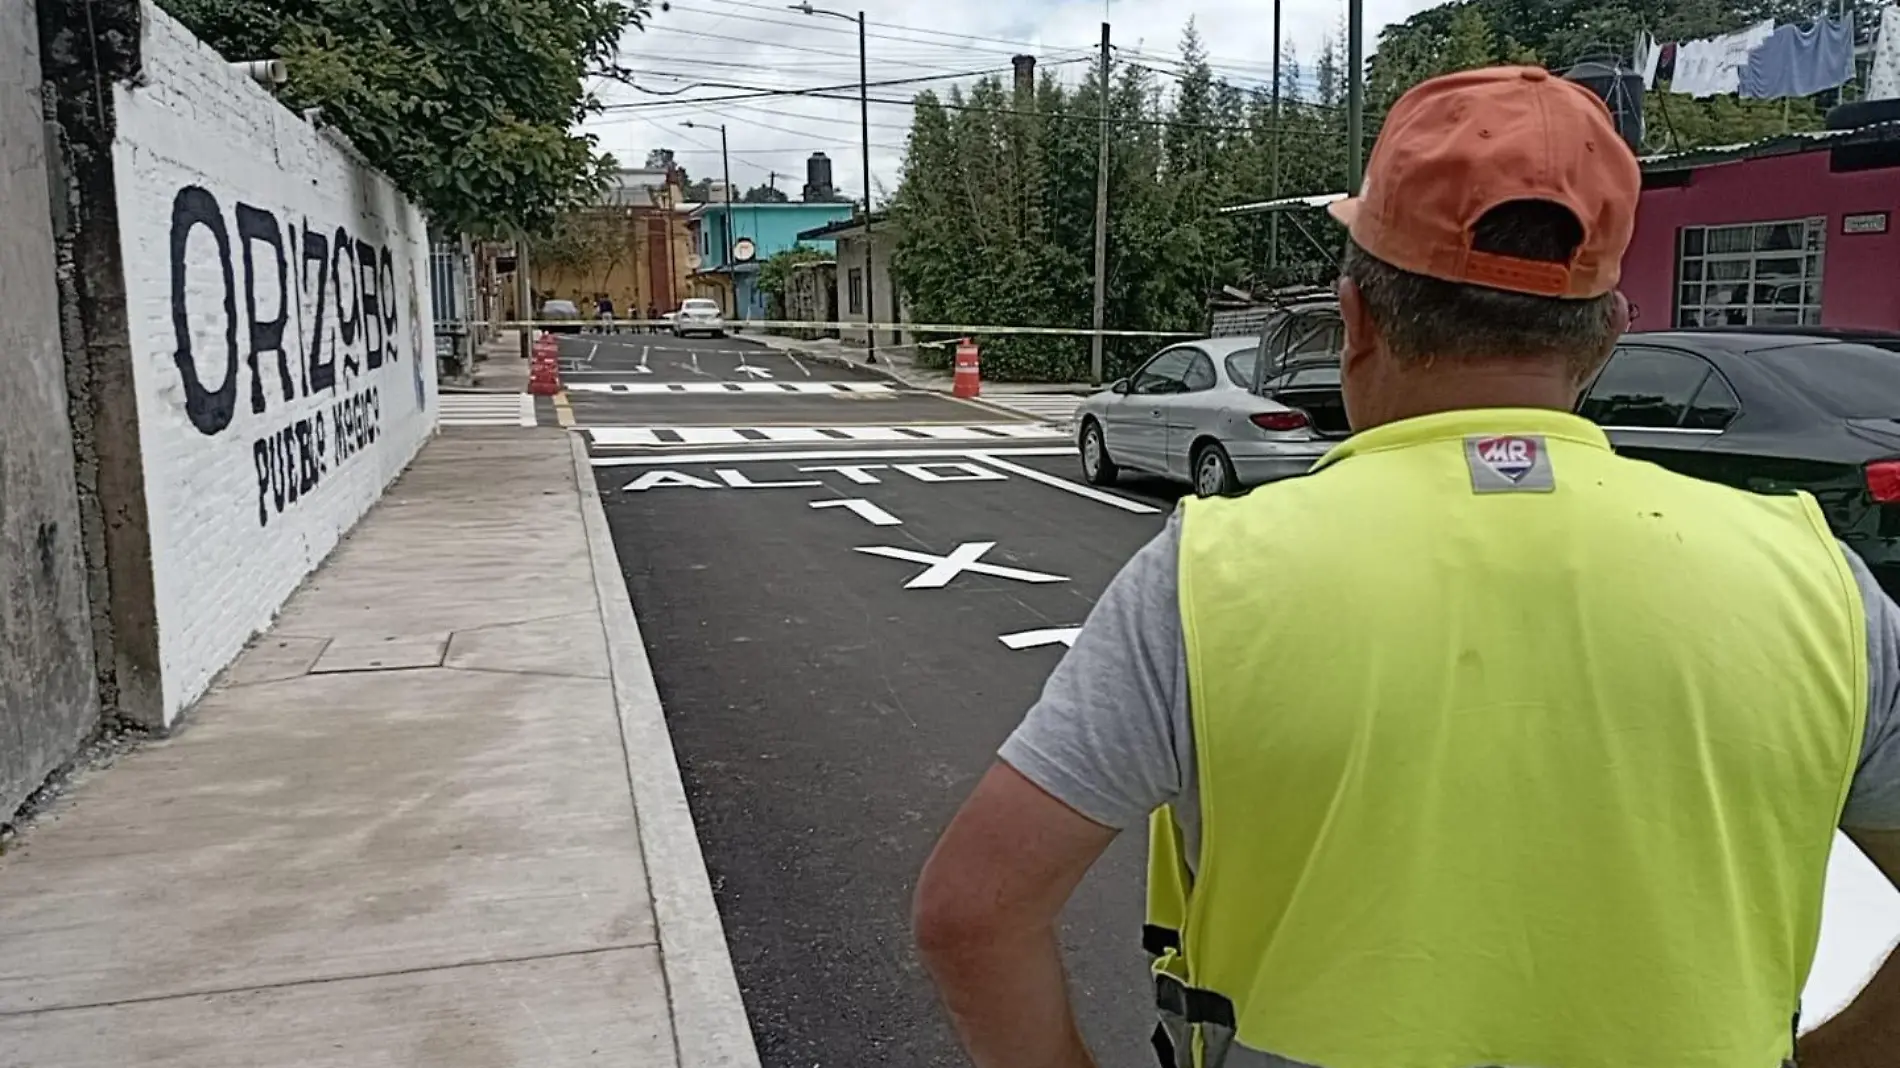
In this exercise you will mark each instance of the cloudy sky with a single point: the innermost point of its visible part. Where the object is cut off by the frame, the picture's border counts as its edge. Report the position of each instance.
(742, 45)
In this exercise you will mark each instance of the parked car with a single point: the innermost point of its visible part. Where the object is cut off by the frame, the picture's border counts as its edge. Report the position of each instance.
(1772, 411)
(1764, 409)
(699, 316)
(1222, 414)
(561, 316)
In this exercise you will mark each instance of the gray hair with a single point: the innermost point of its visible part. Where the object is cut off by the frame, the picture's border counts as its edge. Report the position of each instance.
(1423, 318)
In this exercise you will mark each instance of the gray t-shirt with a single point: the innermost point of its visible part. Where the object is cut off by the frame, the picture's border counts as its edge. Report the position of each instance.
(1111, 738)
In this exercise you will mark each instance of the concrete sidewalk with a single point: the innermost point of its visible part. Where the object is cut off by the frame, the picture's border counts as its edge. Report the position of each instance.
(432, 818)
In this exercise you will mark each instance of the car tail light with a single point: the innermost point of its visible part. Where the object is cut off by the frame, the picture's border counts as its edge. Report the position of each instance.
(1883, 481)
(1294, 419)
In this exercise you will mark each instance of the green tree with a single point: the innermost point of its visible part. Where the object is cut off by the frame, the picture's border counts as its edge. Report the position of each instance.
(764, 194)
(469, 105)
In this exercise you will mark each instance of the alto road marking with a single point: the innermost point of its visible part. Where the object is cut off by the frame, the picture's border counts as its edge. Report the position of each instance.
(965, 557)
(1035, 639)
(864, 510)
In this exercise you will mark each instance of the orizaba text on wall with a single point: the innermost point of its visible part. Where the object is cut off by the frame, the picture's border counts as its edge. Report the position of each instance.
(268, 312)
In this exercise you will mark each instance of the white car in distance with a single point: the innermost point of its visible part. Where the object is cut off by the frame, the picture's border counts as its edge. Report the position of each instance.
(699, 316)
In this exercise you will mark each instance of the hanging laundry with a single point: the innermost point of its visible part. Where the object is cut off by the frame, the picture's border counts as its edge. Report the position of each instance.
(1713, 67)
(1648, 57)
(1884, 82)
(1800, 62)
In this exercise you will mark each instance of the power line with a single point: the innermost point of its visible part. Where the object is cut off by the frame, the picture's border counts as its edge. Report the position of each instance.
(824, 27)
(896, 26)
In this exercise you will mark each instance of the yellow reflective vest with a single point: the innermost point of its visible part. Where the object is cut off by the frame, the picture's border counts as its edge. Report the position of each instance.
(1510, 752)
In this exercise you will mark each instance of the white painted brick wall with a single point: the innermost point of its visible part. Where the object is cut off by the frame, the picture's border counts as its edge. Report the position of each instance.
(227, 549)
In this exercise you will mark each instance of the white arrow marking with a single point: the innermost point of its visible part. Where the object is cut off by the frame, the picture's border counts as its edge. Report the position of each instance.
(1034, 639)
(963, 558)
(755, 372)
(864, 510)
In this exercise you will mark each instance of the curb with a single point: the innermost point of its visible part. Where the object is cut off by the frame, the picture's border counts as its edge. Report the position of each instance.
(710, 1029)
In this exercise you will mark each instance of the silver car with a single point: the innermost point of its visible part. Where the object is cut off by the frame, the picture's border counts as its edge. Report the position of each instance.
(1222, 414)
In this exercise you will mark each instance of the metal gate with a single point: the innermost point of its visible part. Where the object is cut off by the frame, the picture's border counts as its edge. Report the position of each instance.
(450, 271)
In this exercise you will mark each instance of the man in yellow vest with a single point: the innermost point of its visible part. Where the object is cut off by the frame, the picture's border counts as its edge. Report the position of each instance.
(1478, 745)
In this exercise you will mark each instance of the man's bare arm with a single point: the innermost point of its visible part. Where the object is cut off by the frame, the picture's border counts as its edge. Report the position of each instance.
(985, 919)
(1866, 1034)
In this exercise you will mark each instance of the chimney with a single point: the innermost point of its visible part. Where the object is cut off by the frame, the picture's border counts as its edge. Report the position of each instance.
(818, 187)
(1025, 74)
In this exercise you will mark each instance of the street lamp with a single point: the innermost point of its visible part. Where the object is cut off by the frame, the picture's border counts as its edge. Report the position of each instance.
(864, 122)
(725, 164)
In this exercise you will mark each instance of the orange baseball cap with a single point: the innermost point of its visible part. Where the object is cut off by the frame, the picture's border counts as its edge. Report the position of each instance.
(1459, 145)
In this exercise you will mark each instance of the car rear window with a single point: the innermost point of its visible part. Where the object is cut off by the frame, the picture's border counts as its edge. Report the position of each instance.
(700, 305)
(1849, 380)
(1242, 365)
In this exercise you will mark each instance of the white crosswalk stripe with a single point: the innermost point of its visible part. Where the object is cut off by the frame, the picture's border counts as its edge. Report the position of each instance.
(1058, 408)
(623, 437)
(487, 409)
(769, 388)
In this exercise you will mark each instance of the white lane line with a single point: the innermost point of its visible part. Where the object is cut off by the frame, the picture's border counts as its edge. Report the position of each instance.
(1064, 484)
(644, 350)
(768, 388)
(674, 459)
(593, 352)
(657, 436)
(527, 409)
(798, 365)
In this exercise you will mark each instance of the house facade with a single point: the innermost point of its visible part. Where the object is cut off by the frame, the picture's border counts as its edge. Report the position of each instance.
(733, 241)
(889, 305)
(1792, 231)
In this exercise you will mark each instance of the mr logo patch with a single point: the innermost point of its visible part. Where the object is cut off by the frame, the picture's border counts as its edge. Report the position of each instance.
(1510, 464)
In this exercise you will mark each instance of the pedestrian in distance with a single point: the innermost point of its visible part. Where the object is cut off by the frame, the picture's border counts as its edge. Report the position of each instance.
(604, 310)
(653, 318)
(1479, 744)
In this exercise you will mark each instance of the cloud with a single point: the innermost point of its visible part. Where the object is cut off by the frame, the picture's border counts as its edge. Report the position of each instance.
(762, 43)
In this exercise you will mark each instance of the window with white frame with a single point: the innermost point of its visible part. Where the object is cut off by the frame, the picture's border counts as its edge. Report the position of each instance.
(1754, 274)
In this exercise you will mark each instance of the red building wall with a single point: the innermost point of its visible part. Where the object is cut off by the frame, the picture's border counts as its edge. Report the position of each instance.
(1860, 273)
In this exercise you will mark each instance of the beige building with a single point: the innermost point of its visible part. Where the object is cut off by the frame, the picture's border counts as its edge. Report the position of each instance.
(633, 247)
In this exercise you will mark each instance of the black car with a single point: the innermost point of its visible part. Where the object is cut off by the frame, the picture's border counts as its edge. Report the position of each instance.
(1765, 409)
(1769, 411)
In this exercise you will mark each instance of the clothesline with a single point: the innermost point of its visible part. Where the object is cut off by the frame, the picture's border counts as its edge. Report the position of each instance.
(1770, 62)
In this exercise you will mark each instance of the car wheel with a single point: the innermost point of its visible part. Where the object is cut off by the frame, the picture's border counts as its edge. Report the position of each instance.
(1213, 472)
(1097, 466)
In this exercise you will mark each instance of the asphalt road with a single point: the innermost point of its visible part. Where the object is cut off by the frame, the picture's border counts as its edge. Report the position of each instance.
(829, 647)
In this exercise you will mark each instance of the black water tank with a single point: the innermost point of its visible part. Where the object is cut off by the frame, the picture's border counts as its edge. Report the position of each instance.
(1619, 86)
(818, 187)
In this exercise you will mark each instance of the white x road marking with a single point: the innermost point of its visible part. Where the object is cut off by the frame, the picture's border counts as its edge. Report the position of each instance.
(756, 372)
(1033, 639)
(963, 558)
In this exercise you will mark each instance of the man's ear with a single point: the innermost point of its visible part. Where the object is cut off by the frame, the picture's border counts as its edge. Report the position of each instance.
(1362, 334)
(1620, 315)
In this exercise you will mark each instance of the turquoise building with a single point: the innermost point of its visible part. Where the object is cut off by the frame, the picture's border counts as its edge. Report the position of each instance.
(732, 242)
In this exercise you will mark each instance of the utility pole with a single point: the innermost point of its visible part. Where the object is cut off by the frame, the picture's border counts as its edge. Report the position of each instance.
(1273, 219)
(1355, 95)
(1101, 228)
(725, 163)
(732, 275)
(864, 120)
(524, 297)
